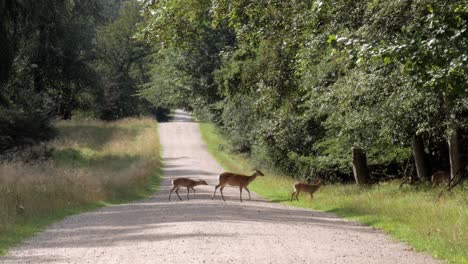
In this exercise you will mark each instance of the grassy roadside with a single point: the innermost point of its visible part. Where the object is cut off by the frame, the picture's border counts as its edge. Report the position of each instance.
(94, 164)
(420, 217)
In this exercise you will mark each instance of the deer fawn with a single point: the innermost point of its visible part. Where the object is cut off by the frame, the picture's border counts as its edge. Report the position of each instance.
(227, 178)
(439, 177)
(185, 182)
(305, 187)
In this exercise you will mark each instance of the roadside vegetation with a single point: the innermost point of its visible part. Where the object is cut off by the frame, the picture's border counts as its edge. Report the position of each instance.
(430, 220)
(90, 164)
(64, 59)
(310, 86)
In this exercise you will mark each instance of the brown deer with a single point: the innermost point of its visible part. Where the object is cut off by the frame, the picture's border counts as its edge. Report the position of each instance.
(440, 177)
(305, 187)
(232, 179)
(185, 182)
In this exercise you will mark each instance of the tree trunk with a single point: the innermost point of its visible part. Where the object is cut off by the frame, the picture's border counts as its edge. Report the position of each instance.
(420, 158)
(360, 170)
(66, 114)
(454, 155)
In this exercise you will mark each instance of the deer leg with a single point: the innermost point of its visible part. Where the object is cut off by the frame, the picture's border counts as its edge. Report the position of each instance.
(240, 193)
(292, 195)
(216, 188)
(221, 190)
(171, 192)
(194, 192)
(188, 192)
(248, 192)
(311, 196)
(177, 192)
(297, 195)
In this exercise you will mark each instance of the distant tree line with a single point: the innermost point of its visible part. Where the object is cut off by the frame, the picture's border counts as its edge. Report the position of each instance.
(313, 87)
(63, 58)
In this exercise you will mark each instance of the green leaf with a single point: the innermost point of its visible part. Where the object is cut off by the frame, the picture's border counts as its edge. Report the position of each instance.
(430, 8)
(387, 60)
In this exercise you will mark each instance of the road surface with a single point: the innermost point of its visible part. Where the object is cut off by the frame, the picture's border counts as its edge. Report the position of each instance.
(207, 231)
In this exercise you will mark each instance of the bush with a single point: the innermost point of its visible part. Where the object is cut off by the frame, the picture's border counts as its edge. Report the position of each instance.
(19, 130)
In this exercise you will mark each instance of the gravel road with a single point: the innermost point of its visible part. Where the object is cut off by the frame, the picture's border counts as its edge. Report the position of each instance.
(201, 230)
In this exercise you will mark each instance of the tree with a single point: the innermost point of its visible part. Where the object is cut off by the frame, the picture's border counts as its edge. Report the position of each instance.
(300, 84)
(431, 44)
(43, 66)
(182, 31)
(121, 64)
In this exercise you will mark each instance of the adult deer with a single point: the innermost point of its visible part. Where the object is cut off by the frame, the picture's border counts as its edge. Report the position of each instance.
(305, 187)
(233, 179)
(439, 177)
(185, 182)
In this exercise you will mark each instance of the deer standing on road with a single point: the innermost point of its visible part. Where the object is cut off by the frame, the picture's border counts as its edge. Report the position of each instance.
(305, 187)
(185, 182)
(232, 179)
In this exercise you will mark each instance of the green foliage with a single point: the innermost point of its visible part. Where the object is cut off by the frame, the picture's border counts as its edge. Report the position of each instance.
(168, 86)
(298, 84)
(19, 130)
(48, 44)
(65, 57)
(121, 64)
(189, 52)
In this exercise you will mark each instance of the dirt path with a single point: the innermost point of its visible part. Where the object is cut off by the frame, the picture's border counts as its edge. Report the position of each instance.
(207, 231)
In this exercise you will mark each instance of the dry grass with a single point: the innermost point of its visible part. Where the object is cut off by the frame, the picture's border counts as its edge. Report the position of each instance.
(92, 161)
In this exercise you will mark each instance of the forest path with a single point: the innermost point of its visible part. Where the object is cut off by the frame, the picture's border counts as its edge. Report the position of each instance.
(202, 230)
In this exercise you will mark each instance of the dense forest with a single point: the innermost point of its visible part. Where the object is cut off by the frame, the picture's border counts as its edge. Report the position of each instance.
(313, 87)
(308, 87)
(61, 59)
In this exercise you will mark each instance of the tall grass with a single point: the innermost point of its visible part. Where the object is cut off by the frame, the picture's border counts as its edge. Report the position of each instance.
(428, 219)
(93, 162)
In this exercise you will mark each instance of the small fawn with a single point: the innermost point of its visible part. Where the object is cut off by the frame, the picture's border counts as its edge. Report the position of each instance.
(228, 178)
(440, 177)
(185, 182)
(305, 187)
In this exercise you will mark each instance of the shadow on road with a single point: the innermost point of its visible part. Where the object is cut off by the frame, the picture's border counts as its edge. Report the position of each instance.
(180, 117)
(133, 222)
